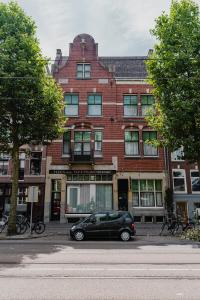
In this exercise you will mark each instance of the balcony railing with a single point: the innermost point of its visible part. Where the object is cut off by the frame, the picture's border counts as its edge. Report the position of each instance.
(82, 157)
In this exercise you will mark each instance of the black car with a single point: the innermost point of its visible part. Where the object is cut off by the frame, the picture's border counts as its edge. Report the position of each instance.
(112, 224)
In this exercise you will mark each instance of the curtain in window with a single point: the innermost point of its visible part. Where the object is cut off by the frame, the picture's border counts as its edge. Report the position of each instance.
(130, 110)
(147, 199)
(131, 148)
(103, 197)
(84, 205)
(94, 110)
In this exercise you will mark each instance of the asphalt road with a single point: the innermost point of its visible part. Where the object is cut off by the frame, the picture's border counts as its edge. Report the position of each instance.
(55, 268)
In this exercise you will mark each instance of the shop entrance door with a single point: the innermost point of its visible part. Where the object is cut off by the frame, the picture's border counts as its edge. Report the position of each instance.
(123, 194)
(181, 209)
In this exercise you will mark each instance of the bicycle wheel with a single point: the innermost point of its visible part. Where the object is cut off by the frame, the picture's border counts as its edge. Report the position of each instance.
(162, 228)
(23, 228)
(18, 228)
(39, 227)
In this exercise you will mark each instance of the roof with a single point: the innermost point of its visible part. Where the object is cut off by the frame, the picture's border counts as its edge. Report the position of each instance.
(123, 67)
(132, 67)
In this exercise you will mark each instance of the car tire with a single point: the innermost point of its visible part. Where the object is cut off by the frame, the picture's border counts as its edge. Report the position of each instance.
(79, 235)
(125, 236)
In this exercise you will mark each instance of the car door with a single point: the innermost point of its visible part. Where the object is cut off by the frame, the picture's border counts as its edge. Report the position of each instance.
(114, 224)
(97, 226)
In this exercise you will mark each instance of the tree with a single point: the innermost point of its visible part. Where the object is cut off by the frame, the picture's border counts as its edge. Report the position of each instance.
(31, 107)
(174, 72)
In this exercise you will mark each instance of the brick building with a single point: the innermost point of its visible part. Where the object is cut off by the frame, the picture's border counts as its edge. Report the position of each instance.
(32, 172)
(185, 184)
(102, 161)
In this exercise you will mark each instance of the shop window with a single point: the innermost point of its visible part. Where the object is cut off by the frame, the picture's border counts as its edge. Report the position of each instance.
(147, 193)
(35, 163)
(179, 181)
(86, 198)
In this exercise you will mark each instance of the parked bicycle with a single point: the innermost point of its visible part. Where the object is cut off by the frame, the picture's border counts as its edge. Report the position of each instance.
(38, 226)
(4, 225)
(168, 226)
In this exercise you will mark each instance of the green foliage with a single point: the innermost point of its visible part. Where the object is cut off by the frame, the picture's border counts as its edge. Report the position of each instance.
(30, 102)
(174, 72)
(191, 234)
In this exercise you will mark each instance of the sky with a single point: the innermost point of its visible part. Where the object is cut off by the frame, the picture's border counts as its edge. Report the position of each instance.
(120, 27)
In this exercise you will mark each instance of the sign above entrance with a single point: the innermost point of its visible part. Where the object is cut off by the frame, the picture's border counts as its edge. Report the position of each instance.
(84, 172)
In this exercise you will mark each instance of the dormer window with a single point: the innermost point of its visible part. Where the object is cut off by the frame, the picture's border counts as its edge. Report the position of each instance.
(83, 71)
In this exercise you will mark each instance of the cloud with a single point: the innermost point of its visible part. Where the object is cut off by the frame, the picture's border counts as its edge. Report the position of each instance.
(121, 27)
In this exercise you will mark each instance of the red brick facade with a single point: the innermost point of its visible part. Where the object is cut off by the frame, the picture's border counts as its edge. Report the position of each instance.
(112, 122)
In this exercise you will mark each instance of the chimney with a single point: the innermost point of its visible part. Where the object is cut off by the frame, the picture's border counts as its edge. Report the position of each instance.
(58, 54)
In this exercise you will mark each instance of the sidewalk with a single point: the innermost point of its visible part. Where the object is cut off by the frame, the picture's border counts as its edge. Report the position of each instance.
(55, 229)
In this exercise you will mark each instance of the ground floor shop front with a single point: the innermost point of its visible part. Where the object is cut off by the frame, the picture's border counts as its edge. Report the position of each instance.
(23, 206)
(187, 205)
(75, 193)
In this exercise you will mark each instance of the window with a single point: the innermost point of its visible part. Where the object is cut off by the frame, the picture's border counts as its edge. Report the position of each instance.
(147, 193)
(94, 105)
(149, 150)
(22, 157)
(82, 143)
(22, 196)
(83, 71)
(86, 198)
(4, 159)
(179, 181)
(98, 143)
(35, 163)
(177, 154)
(195, 181)
(131, 143)
(66, 142)
(130, 105)
(147, 101)
(71, 105)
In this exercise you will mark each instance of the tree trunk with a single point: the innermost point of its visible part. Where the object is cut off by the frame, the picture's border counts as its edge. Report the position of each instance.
(13, 200)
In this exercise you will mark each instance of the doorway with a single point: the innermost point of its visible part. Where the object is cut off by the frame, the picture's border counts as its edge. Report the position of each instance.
(181, 209)
(123, 194)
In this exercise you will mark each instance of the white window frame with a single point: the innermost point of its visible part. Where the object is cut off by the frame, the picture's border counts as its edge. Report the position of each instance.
(83, 70)
(69, 187)
(154, 192)
(193, 192)
(185, 182)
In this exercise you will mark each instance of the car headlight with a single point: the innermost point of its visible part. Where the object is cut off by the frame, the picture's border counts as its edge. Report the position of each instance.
(73, 227)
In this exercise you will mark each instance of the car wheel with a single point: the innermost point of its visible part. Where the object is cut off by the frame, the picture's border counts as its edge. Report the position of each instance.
(125, 236)
(79, 235)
